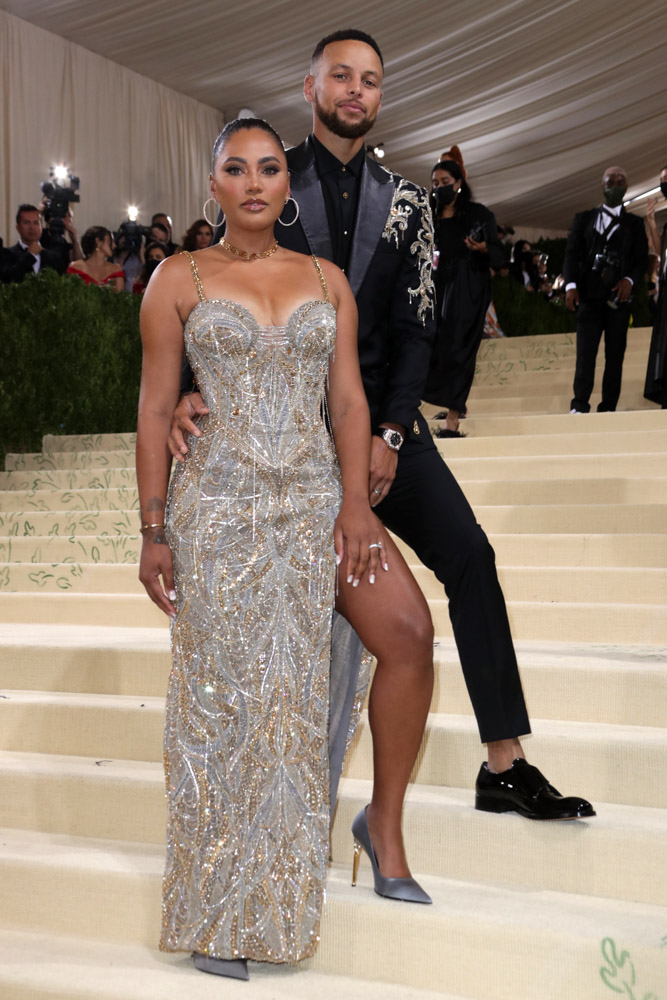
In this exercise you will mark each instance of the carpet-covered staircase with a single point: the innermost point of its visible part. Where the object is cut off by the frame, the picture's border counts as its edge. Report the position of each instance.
(576, 508)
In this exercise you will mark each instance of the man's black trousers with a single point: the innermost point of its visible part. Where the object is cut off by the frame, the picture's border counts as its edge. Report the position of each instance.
(427, 509)
(593, 317)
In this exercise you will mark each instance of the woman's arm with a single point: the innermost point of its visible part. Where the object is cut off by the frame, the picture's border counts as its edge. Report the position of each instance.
(162, 340)
(357, 527)
(653, 234)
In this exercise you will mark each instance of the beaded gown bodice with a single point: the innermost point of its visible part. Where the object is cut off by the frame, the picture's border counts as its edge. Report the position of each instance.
(250, 522)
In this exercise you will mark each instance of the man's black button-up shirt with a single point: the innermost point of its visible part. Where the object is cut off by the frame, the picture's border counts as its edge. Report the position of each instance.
(340, 188)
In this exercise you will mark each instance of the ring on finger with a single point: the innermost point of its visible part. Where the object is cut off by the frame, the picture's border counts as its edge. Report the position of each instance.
(375, 545)
(378, 493)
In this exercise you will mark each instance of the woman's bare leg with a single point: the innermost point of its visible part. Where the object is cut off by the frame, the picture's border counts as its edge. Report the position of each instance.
(392, 619)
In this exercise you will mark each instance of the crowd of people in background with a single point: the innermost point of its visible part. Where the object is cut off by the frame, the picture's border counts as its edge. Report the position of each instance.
(99, 257)
(470, 249)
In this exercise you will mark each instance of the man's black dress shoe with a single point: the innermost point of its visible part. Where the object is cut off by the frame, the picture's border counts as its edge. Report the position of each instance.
(525, 790)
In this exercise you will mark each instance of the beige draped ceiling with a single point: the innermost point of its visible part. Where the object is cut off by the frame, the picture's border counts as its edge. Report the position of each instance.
(540, 95)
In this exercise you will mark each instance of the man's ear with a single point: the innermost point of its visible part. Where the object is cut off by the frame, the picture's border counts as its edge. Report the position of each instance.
(309, 88)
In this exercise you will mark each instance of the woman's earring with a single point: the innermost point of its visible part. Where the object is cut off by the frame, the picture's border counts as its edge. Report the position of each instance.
(217, 222)
(296, 205)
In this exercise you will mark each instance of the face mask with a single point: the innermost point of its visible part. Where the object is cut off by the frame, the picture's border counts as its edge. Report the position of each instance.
(444, 195)
(614, 194)
(663, 188)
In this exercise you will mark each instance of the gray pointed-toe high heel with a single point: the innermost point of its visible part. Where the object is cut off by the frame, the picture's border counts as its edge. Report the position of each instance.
(406, 889)
(233, 968)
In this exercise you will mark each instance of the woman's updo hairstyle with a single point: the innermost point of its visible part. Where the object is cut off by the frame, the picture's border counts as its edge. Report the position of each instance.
(90, 238)
(452, 162)
(236, 125)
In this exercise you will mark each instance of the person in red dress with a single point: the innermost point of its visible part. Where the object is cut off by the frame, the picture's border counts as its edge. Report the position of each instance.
(97, 266)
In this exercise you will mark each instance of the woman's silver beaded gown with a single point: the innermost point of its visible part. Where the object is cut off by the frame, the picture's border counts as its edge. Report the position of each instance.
(250, 521)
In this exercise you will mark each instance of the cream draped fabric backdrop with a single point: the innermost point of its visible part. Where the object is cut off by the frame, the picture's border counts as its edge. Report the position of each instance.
(130, 140)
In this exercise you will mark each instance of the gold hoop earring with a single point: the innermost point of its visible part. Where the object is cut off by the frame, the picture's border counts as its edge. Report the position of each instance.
(217, 222)
(296, 206)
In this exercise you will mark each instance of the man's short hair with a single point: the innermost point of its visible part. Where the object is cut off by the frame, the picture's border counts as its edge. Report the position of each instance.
(349, 35)
(159, 215)
(25, 208)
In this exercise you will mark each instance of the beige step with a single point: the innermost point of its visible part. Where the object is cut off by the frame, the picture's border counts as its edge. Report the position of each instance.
(511, 549)
(579, 682)
(639, 339)
(619, 854)
(565, 621)
(615, 550)
(518, 383)
(31, 480)
(89, 442)
(479, 941)
(639, 518)
(613, 763)
(520, 583)
(110, 970)
(595, 442)
(64, 501)
(50, 461)
(558, 467)
(503, 425)
(53, 549)
(505, 402)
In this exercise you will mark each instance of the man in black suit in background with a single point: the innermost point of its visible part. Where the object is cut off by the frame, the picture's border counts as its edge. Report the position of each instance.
(28, 256)
(606, 256)
(377, 227)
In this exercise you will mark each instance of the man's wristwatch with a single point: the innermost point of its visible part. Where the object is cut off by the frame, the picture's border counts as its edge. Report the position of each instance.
(393, 439)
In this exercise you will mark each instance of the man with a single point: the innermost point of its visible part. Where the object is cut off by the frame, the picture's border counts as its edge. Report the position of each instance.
(28, 256)
(606, 255)
(377, 227)
(164, 220)
(68, 247)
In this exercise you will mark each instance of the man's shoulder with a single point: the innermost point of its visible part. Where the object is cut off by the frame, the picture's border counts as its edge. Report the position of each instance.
(632, 219)
(402, 185)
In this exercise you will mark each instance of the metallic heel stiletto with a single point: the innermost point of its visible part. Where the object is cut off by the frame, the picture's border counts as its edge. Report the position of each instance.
(233, 968)
(406, 889)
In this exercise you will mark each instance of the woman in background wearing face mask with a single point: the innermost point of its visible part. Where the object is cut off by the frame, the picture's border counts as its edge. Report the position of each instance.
(656, 373)
(155, 253)
(467, 246)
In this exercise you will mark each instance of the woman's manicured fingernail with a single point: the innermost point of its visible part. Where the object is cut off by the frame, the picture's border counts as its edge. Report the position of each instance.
(386, 567)
(350, 578)
(356, 583)
(372, 578)
(172, 595)
(338, 560)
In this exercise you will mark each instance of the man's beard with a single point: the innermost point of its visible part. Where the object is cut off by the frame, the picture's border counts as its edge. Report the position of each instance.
(346, 130)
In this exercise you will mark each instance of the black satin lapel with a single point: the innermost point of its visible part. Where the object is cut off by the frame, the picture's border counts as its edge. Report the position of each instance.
(305, 188)
(374, 204)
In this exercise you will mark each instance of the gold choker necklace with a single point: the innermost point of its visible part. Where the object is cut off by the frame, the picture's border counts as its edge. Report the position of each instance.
(245, 254)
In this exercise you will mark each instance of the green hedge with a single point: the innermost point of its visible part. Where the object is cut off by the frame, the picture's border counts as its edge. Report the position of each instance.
(525, 314)
(70, 358)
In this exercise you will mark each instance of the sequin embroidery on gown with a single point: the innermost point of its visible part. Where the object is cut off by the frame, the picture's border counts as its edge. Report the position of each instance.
(250, 521)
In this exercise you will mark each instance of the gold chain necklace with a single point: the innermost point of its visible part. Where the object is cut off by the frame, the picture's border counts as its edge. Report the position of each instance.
(245, 254)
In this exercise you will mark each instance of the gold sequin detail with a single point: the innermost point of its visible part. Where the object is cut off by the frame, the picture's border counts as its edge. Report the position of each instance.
(407, 199)
(250, 522)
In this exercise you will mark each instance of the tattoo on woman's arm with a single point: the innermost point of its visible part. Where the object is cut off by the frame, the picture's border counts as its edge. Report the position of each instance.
(159, 537)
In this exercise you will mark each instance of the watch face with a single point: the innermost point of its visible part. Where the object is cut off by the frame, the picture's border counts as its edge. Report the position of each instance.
(393, 439)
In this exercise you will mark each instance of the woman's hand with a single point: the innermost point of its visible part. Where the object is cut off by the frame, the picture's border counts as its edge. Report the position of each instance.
(473, 245)
(189, 408)
(157, 561)
(358, 539)
(650, 209)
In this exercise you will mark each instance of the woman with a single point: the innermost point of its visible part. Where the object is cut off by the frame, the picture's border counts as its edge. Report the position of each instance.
(655, 388)
(467, 245)
(251, 521)
(97, 266)
(198, 236)
(155, 254)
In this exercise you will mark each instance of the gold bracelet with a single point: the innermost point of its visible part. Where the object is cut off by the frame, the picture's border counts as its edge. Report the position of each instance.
(147, 527)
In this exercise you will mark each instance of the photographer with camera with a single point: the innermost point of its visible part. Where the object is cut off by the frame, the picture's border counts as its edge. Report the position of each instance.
(467, 247)
(68, 248)
(606, 255)
(28, 256)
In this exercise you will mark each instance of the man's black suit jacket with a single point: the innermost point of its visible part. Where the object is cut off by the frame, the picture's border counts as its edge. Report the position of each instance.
(583, 242)
(14, 268)
(390, 275)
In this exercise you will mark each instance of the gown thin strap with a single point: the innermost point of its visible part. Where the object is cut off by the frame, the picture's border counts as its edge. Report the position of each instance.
(322, 278)
(197, 279)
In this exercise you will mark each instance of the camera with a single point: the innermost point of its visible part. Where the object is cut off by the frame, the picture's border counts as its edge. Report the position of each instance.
(130, 236)
(57, 199)
(607, 265)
